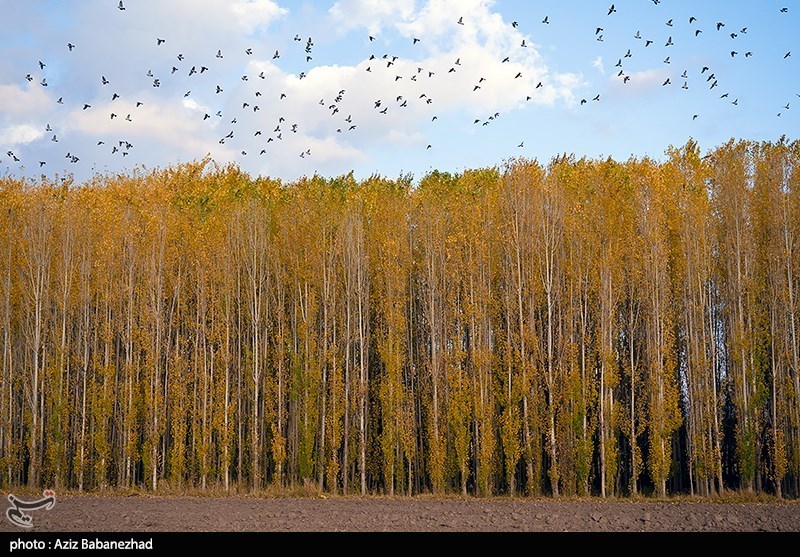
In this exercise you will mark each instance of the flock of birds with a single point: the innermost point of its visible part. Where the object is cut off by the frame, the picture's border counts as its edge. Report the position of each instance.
(272, 126)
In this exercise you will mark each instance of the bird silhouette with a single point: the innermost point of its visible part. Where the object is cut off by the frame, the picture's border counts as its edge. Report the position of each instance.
(611, 10)
(120, 6)
(546, 20)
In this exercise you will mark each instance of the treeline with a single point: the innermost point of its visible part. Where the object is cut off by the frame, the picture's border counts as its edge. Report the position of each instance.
(584, 327)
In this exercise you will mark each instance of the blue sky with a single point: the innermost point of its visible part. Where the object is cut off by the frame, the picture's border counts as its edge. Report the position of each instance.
(429, 104)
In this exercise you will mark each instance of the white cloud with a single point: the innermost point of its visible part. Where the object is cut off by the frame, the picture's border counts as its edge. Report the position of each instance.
(641, 81)
(598, 65)
(489, 50)
(160, 124)
(16, 102)
(19, 134)
(255, 13)
(370, 14)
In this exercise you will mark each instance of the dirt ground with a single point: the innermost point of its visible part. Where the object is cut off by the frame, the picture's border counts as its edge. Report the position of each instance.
(355, 514)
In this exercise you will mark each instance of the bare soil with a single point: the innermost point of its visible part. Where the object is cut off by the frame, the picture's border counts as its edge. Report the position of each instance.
(418, 514)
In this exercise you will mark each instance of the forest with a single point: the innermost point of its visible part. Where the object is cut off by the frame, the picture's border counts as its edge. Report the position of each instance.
(580, 327)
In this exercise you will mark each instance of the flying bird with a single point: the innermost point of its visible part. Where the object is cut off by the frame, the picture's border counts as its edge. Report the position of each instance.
(611, 10)
(120, 5)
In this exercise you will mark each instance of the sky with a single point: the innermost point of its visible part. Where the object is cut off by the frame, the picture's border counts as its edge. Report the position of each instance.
(291, 88)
